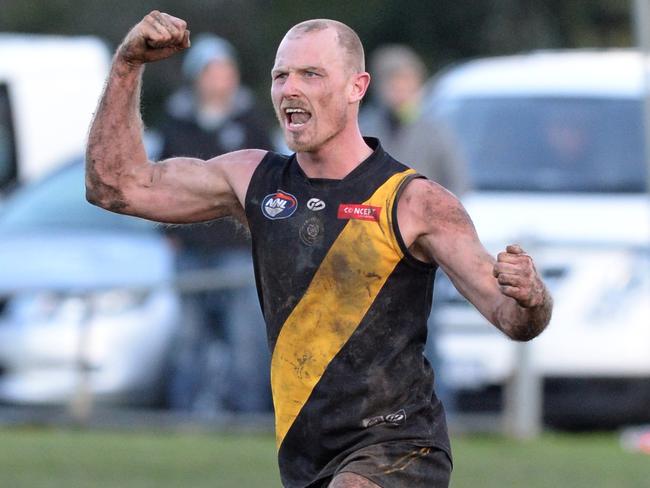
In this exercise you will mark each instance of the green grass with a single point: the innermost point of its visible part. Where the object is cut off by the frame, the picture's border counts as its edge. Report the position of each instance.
(43, 458)
(71, 459)
(554, 461)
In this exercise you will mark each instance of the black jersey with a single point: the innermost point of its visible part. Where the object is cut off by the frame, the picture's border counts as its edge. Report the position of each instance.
(346, 308)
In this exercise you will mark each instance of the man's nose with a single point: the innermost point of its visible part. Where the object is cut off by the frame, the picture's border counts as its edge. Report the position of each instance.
(290, 87)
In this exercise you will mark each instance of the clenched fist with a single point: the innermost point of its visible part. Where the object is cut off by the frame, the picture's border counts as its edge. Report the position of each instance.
(157, 36)
(518, 278)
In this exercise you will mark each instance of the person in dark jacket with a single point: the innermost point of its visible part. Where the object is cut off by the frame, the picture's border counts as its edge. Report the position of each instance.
(395, 115)
(221, 358)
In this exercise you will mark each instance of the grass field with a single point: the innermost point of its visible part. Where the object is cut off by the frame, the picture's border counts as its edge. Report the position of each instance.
(42, 458)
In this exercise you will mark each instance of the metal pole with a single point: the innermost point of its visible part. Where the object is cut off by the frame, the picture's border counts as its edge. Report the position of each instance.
(523, 395)
(81, 403)
(641, 21)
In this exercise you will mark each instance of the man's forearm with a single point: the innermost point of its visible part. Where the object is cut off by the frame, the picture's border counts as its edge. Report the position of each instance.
(524, 323)
(115, 144)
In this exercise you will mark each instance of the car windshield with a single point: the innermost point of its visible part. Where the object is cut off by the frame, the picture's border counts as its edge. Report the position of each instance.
(551, 144)
(59, 202)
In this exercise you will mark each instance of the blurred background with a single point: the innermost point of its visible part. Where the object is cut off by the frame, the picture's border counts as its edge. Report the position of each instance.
(126, 340)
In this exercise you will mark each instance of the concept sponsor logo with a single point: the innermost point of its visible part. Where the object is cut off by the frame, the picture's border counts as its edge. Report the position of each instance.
(279, 205)
(360, 212)
(315, 204)
(396, 418)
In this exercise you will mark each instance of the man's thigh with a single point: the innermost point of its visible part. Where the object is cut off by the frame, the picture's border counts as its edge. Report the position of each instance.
(395, 464)
(351, 480)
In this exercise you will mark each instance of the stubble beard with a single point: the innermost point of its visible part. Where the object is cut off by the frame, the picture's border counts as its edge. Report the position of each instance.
(313, 143)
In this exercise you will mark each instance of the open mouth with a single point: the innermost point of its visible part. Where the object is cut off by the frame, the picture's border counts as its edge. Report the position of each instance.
(296, 117)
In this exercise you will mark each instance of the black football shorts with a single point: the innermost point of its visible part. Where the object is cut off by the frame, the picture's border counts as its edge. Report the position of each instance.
(399, 464)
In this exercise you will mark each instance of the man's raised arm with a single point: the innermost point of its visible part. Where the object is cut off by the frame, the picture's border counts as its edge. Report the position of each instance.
(119, 175)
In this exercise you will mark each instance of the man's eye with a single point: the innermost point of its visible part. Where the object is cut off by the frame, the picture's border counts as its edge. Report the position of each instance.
(279, 76)
(311, 74)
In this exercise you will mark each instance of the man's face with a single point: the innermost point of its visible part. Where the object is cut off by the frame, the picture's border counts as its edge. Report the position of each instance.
(310, 89)
(217, 83)
(401, 88)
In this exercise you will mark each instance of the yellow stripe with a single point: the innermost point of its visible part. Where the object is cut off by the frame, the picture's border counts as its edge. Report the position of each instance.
(343, 288)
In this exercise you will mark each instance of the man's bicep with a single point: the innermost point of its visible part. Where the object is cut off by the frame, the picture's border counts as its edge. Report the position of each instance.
(185, 190)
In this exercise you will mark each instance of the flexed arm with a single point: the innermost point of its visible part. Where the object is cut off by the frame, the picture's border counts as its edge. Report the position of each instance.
(508, 291)
(119, 175)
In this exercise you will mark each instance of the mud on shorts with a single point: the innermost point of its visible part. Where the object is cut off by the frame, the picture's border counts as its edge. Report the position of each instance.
(399, 464)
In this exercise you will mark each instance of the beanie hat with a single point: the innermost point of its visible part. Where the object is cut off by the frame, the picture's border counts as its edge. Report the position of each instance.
(205, 49)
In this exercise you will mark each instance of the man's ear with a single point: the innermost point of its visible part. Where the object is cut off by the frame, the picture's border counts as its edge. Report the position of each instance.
(360, 83)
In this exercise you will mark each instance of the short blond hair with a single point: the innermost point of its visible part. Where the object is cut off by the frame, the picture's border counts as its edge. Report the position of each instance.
(346, 36)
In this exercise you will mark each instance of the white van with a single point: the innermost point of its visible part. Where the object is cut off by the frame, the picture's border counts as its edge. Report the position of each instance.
(49, 88)
(555, 146)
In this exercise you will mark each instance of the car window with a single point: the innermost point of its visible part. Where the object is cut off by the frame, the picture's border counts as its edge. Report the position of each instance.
(551, 144)
(59, 202)
(8, 170)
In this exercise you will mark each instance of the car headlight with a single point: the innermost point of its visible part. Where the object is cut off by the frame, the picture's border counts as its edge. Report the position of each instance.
(628, 285)
(115, 302)
(65, 307)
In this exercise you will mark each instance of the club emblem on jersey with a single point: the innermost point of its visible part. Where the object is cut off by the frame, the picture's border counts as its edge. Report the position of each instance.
(279, 205)
(361, 212)
(311, 231)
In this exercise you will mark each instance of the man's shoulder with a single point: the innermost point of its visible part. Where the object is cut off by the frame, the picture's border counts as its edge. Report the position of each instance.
(275, 159)
(264, 163)
(431, 204)
(421, 188)
(238, 163)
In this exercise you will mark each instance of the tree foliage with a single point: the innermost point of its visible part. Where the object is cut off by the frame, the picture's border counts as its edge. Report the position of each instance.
(442, 31)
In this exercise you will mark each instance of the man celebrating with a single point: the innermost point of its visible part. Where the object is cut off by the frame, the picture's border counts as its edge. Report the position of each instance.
(346, 241)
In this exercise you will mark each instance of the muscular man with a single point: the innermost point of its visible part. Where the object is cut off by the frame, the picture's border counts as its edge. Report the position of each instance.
(346, 241)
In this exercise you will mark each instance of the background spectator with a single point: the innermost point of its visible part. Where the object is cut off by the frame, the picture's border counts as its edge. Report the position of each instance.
(394, 116)
(221, 361)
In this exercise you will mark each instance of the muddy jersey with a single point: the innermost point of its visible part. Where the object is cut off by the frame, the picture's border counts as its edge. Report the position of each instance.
(346, 308)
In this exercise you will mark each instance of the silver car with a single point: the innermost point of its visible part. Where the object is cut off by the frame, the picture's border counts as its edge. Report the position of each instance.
(85, 298)
(555, 146)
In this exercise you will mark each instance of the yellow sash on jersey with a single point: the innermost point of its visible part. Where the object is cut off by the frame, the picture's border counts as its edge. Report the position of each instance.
(342, 290)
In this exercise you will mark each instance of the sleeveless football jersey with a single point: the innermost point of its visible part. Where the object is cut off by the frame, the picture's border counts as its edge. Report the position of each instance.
(346, 308)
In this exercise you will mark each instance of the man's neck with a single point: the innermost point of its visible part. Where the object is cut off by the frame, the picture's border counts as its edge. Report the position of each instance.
(336, 159)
